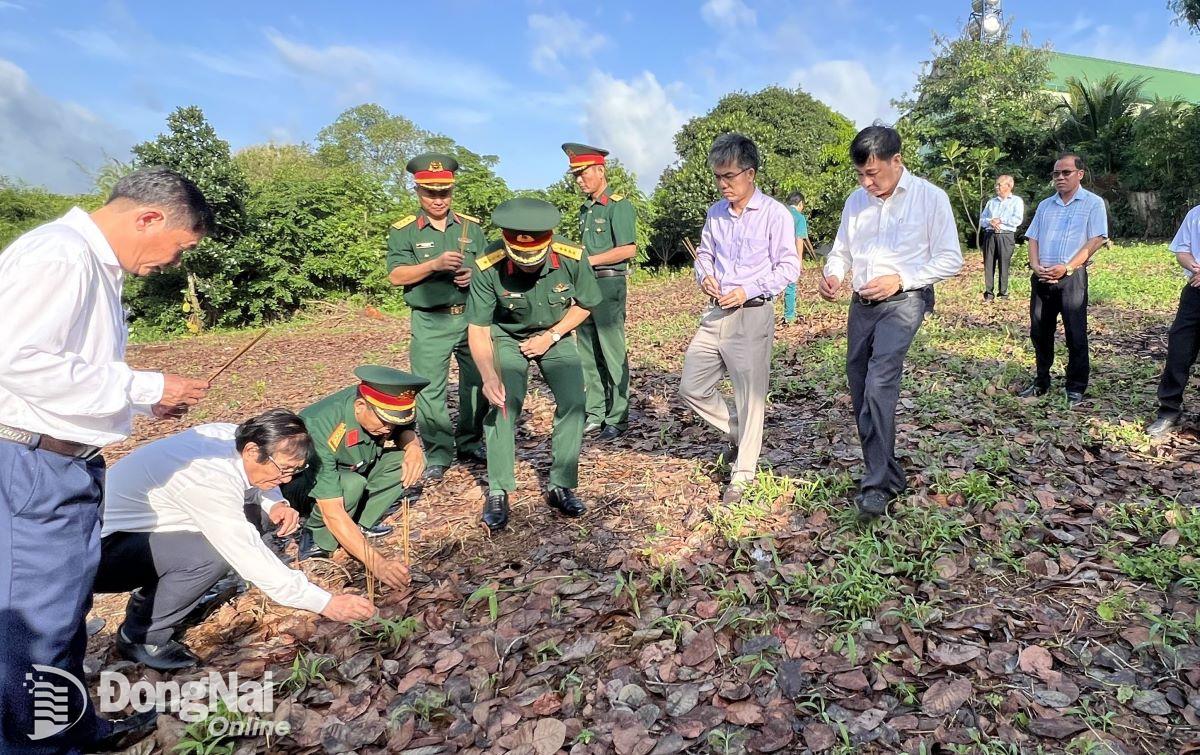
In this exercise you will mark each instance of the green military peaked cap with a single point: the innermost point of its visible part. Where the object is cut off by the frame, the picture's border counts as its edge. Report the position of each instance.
(583, 156)
(527, 226)
(433, 170)
(391, 393)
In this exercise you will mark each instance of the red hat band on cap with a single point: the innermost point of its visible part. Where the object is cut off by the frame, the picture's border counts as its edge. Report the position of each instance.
(401, 403)
(527, 242)
(584, 161)
(434, 177)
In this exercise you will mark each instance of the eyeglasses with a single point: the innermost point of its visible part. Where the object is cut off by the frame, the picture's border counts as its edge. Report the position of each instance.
(727, 178)
(1062, 173)
(287, 472)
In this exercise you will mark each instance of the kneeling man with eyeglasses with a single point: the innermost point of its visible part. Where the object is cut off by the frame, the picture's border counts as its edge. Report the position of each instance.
(176, 520)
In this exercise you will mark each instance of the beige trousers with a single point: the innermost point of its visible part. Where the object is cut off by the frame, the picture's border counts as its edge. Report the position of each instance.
(737, 342)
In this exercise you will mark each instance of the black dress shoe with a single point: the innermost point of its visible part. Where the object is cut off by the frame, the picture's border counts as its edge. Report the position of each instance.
(169, 656)
(495, 511)
(478, 455)
(434, 473)
(565, 501)
(1164, 424)
(308, 548)
(1074, 397)
(610, 432)
(988, 297)
(123, 733)
(1033, 390)
(376, 530)
(872, 503)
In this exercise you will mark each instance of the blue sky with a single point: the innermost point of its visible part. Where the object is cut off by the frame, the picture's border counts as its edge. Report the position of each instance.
(82, 80)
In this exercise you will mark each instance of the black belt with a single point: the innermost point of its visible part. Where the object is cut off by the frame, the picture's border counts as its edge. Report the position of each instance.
(453, 309)
(757, 301)
(898, 296)
(602, 273)
(46, 443)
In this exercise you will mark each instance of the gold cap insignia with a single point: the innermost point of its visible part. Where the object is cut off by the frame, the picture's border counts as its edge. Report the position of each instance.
(436, 165)
(524, 238)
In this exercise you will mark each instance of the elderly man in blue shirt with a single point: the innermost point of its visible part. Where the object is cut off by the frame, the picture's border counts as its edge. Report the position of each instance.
(1000, 218)
(1065, 232)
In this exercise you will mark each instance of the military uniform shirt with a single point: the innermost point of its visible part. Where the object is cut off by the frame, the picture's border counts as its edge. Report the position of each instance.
(523, 304)
(414, 240)
(339, 442)
(606, 223)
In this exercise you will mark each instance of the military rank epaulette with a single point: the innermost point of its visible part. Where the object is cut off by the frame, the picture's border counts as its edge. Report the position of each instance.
(567, 250)
(488, 260)
(616, 197)
(336, 436)
(465, 216)
(404, 221)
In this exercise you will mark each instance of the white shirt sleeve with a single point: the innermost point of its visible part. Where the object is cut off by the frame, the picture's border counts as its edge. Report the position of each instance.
(268, 498)
(945, 253)
(37, 365)
(838, 261)
(242, 548)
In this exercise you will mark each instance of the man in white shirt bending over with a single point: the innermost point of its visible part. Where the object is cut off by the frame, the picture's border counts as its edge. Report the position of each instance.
(174, 523)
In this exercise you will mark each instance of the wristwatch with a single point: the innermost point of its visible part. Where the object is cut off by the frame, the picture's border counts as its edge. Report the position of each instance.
(555, 336)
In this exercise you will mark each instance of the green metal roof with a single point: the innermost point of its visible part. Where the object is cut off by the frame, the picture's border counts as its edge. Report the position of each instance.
(1163, 83)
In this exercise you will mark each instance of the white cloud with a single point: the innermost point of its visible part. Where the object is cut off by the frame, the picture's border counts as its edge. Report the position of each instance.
(51, 143)
(227, 65)
(635, 120)
(360, 73)
(8, 5)
(95, 42)
(726, 14)
(558, 37)
(847, 87)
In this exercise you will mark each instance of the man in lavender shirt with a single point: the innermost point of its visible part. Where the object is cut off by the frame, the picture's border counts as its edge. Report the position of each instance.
(747, 256)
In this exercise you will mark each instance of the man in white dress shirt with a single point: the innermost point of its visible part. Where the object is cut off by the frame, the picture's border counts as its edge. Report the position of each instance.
(896, 239)
(175, 522)
(65, 393)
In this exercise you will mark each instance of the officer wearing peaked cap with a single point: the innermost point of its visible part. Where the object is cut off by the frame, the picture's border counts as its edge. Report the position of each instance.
(609, 234)
(365, 453)
(530, 292)
(432, 254)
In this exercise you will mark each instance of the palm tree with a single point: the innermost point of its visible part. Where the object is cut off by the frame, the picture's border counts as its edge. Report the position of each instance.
(1097, 119)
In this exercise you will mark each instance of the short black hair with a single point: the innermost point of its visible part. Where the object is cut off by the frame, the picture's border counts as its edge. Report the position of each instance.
(876, 141)
(163, 187)
(272, 431)
(1079, 164)
(735, 149)
(795, 198)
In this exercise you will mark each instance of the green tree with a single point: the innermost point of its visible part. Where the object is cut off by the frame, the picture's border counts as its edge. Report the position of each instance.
(803, 145)
(1097, 120)
(270, 162)
(23, 208)
(967, 175)
(196, 293)
(373, 140)
(477, 188)
(565, 195)
(1187, 12)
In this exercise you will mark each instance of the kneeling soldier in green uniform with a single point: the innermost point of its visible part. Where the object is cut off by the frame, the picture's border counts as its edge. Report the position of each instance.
(365, 453)
(607, 224)
(531, 290)
(432, 255)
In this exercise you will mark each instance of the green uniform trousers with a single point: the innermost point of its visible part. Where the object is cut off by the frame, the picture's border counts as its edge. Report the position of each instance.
(560, 368)
(367, 495)
(435, 338)
(603, 356)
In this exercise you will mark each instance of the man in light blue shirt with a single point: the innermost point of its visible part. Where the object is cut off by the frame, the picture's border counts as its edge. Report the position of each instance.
(795, 205)
(999, 220)
(1065, 232)
(1183, 342)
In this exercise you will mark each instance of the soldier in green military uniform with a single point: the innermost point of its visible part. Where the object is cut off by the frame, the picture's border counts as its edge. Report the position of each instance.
(530, 291)
(608, 230)
(432, 255)
(365, 453)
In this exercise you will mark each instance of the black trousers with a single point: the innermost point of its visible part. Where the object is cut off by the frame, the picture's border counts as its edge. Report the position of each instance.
(997, 252)
(878, 339)
(1047, 301)
(1183, 344)
(169, 573)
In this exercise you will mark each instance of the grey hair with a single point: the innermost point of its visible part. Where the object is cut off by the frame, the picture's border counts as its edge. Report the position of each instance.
(272, 431)
(161, 187)
(733, 149)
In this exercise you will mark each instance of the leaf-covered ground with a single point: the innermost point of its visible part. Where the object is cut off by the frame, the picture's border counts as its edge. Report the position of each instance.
(1036, 591)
